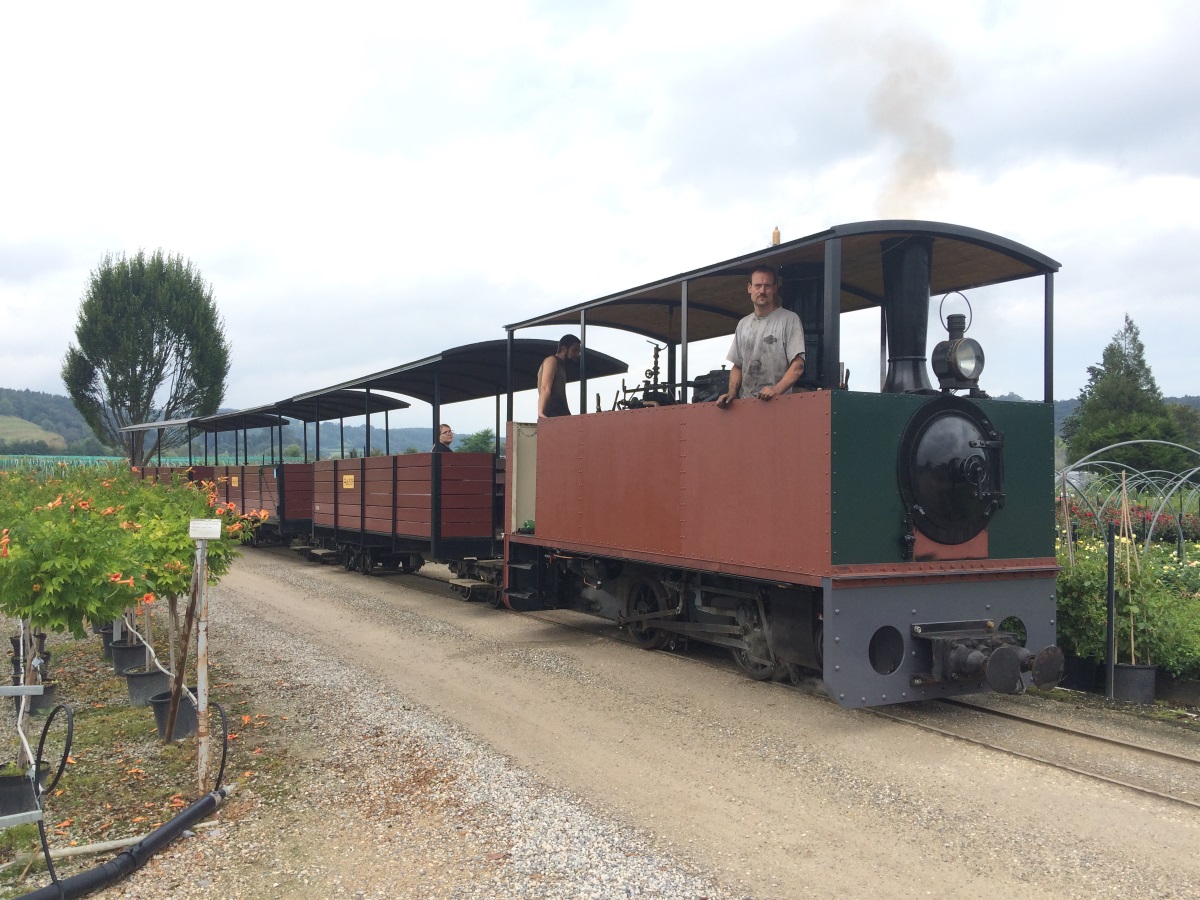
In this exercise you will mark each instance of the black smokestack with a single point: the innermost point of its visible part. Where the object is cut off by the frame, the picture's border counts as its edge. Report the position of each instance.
(906, 266)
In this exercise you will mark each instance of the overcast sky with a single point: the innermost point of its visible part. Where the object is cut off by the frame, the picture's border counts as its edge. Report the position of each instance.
(365, 184)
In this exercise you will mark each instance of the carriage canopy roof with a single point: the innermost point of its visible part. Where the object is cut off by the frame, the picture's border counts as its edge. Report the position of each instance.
(333, 404)
(473, 372)
(231, 421)
(963, 258)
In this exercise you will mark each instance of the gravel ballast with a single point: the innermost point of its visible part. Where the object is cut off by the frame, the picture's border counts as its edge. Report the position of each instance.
(439, 749)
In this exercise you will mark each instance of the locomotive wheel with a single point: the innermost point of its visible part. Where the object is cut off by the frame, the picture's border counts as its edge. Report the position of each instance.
(759, 671)
(646, 596)
(365, 563)
(351, 559)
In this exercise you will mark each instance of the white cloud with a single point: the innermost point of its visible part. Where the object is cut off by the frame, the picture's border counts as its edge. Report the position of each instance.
(366, 185)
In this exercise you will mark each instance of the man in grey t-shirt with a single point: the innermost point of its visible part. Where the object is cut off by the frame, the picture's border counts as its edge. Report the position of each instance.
(768, 346)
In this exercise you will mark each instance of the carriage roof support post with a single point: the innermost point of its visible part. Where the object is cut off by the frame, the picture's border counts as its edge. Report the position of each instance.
(671, 345)
(497, 428)
(272, 433)
(437, 408)
(1048, 340)
(189, 444)
(387, 435)
(158, 442)
(342, 435)
(509, 371)
(435, 473)
(317, 414)
(582, 361)
(683, 339)
(367, 413)
(831, 313)
(206, 448)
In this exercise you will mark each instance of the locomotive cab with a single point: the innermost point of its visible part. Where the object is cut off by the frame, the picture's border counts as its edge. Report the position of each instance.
(900, 543)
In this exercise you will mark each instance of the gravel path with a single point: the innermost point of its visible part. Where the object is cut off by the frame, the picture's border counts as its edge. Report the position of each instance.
(391, 801)
(656, 775)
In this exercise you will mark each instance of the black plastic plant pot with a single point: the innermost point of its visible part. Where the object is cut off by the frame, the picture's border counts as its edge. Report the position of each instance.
(39, 703)
(143, 682)
(16, 795)
(127, 655)
(16, 791)
(185, 719)
(1134, 683)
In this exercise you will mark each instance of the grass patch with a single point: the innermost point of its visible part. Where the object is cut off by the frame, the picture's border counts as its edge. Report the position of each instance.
(121, 781)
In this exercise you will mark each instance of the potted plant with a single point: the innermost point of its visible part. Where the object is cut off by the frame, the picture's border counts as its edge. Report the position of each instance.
(83, 545)
(1080, 593)
(1134, 680)
(16, 787)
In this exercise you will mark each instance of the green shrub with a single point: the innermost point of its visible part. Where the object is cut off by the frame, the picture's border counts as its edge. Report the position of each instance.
(1159, 597)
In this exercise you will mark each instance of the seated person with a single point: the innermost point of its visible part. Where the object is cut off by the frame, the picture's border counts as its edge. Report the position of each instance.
(445, 439)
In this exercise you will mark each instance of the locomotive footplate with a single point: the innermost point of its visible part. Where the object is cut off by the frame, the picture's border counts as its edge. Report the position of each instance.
(974, 650)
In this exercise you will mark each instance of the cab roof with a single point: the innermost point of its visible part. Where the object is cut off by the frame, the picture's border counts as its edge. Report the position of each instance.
(963, 259)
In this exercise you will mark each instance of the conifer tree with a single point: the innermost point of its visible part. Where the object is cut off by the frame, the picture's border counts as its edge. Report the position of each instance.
(151, 347)
(1122, 402)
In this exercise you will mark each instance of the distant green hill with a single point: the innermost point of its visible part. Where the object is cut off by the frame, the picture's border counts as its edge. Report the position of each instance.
(54, 420)
(27, 418)
(15, 431)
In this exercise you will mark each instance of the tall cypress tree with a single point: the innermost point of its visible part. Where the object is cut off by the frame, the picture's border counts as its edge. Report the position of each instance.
(151, 347)
(1122, 402)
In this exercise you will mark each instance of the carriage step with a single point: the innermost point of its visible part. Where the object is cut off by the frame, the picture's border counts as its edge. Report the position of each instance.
(489, 563)
(519, 595)
(523, 566)
(320, 553)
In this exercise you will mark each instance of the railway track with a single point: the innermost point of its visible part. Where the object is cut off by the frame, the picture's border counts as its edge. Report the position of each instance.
(1148, 770)
(1156, 772)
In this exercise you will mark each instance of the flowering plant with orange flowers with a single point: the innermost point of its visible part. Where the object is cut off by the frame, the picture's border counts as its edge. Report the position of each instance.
(86, 543)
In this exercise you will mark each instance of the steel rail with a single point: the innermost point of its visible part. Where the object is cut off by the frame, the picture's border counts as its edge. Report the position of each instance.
(532, 614)
(1038, 759)
(1066, 729)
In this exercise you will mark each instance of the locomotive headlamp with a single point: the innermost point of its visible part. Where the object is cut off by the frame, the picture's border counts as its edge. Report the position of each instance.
(958, 361)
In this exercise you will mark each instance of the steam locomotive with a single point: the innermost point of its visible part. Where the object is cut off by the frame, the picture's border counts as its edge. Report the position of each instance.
(898, 544)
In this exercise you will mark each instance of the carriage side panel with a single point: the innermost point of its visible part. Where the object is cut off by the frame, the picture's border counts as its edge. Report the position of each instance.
(717, 489)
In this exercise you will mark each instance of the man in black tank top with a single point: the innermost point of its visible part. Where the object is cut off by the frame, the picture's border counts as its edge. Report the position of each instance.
(552, 378)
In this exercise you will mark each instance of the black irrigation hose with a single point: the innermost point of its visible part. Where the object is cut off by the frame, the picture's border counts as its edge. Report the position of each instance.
(132, 858)
(224, 744)
(40, 792)
(62, 763)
